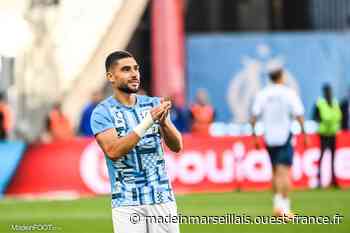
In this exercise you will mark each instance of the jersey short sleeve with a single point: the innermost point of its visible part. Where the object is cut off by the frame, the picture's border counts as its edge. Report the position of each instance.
(101, 120)
(258, 105)
(297, 105)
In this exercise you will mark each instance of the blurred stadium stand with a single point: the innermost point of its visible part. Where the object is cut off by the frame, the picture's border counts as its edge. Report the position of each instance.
(69, 39)
(116, 34)
(327, 15)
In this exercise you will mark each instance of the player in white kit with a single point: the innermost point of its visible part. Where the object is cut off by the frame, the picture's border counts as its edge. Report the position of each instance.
(277, 105)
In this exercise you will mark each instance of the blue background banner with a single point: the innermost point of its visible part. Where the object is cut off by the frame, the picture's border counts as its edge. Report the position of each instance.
(234, 67)
(10, 156)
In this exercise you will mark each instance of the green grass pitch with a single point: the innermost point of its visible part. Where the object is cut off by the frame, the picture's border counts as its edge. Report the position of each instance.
(93, 215)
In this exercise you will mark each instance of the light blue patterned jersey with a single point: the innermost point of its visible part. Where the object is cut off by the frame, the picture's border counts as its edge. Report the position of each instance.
(139, 177)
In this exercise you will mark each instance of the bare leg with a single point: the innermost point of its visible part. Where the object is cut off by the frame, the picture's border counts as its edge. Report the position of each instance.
(283, 185)
(274, 190)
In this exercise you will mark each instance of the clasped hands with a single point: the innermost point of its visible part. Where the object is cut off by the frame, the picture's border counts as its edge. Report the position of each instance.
(160, 112)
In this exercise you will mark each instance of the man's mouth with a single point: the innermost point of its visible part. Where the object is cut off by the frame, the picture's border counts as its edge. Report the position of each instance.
(134, 82)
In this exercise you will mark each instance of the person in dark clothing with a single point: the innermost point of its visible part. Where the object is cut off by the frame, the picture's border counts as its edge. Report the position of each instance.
(179, 116)
(345, 109)
(84, 127)
(327, 113)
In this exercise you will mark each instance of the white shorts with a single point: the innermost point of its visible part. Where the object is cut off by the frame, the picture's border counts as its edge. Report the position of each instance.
(137, 219)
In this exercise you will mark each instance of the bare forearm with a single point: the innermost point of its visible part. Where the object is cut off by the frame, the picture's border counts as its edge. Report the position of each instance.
(124, 144)
(120, 147)
(172, 137)
(253, 123)
(115, 147)
(301, 121)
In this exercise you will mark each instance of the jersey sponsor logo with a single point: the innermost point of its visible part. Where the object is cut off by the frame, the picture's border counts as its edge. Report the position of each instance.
(119, 120)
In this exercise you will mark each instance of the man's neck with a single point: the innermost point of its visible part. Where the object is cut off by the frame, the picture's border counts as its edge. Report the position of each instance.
(278, 83)
(125, 98)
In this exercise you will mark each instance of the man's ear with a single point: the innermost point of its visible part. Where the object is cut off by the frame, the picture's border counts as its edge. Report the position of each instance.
(109, 77)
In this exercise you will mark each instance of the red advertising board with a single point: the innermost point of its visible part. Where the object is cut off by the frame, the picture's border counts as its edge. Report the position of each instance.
(77, 167)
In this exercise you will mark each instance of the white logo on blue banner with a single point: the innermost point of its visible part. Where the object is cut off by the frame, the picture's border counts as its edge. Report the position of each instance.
(245, 84)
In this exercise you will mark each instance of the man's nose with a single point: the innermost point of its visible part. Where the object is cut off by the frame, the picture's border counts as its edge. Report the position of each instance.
(135, 74)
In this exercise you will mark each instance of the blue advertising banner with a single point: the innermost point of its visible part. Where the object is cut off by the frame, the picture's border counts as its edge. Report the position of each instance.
(10, 156)
(234, 67)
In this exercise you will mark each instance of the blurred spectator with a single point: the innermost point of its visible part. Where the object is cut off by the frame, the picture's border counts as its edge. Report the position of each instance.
(202, 113)
(3, 134)
(59, 126)
(84, 127)
(345, 109)
(6, 114)
(328, 114)
(178, 116)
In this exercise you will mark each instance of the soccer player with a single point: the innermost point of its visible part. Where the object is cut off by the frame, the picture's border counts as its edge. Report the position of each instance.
(275, 105)
(129, 128)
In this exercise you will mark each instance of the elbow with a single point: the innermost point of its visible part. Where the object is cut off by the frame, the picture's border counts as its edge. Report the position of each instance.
(113, 153)
(178, 150)
(178, 147)
(181, 146)
(113, 156)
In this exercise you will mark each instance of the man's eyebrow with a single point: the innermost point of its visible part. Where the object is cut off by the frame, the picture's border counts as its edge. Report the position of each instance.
(125, 66)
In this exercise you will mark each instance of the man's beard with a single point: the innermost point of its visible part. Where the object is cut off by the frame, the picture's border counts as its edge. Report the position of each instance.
(124, 88)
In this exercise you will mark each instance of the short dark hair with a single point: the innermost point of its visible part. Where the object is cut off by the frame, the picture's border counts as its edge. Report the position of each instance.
(276, 75)
(114, 57)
